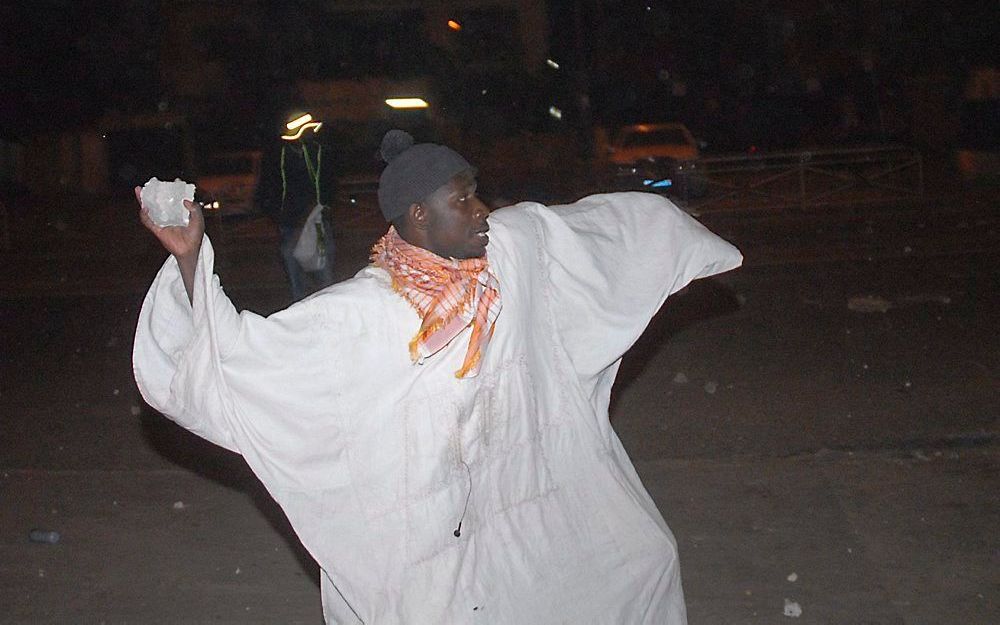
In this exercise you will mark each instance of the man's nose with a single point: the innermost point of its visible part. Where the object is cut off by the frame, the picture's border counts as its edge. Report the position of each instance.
(482, 210)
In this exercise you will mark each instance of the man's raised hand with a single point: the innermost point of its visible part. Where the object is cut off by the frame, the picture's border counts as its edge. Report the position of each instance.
(184, 242)
(181, 241)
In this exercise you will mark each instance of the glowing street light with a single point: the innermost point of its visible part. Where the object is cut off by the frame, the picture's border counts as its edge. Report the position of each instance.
(407, 103)
(455, 26)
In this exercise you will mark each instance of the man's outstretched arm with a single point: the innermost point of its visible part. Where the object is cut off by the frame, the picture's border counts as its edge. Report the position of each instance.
(184, 242)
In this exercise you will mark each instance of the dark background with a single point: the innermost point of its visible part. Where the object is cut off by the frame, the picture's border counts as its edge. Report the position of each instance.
(768, 73)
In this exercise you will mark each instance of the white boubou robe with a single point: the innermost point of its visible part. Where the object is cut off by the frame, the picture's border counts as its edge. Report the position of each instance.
(375, 459)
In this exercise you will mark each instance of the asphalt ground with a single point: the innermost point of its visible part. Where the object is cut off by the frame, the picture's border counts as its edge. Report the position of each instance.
(817, 427)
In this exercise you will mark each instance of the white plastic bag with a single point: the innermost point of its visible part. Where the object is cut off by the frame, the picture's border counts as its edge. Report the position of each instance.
(310, 249)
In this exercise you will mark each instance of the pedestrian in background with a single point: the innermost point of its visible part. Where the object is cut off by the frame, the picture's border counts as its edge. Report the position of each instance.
(295, 190)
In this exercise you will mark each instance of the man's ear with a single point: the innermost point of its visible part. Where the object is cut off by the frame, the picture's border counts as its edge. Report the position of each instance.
(418, 216)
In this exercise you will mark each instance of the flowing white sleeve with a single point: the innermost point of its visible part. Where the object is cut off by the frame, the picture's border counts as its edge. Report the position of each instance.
(177, 347)
(612, 261)
(280, 390)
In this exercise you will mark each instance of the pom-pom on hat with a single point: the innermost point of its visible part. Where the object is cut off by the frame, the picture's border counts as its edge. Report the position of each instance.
(413, 171)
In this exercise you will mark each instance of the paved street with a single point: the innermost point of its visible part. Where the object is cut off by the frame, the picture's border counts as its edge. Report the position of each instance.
(818, 427)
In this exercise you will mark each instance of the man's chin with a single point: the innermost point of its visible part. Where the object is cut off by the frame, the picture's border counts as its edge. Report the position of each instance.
(476, 250)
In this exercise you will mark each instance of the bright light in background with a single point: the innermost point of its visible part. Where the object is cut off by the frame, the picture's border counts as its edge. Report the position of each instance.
(299, 125)
(551, 63)
(555, 112)
(299, 121)
(315, 126)
(455, 26)
(658, 184)
(407, 103)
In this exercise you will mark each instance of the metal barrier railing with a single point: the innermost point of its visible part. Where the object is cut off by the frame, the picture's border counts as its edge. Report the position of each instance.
(802, 179)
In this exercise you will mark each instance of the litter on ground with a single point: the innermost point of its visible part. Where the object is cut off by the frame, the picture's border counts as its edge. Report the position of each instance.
(792, 609)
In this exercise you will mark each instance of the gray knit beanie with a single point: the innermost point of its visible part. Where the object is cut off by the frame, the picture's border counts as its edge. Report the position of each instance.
(413, 171)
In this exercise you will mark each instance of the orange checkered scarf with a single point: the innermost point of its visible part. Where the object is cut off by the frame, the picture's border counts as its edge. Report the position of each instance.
(449, 294)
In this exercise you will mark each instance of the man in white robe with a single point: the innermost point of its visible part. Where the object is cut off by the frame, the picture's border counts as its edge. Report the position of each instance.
(478, 481)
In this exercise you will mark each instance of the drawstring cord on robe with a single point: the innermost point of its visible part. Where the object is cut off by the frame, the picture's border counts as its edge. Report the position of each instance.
(468, 495)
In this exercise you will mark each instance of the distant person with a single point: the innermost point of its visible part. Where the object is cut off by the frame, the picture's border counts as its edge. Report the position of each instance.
(436, 428)
(296, 177)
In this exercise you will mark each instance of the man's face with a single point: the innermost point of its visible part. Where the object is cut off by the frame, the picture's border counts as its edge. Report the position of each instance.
(456, 220)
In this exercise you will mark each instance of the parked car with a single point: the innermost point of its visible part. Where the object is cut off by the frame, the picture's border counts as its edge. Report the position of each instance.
(656, 157)
(227, 182)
